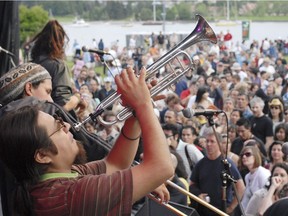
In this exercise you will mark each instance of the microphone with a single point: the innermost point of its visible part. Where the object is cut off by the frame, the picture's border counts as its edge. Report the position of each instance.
(6, 51)
(189, 113)
(285, 148)
(99, 52)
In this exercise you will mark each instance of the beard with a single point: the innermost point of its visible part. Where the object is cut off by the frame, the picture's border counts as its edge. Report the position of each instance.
(81, 157)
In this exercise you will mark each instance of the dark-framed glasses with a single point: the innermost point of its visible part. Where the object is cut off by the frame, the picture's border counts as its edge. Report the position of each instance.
(168, 136)
(246, 154)
(60, 123)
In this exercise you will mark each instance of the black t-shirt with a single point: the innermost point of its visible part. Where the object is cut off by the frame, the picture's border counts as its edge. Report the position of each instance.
(262, 127)
(238, 143)
(279, 208)
(206, 176)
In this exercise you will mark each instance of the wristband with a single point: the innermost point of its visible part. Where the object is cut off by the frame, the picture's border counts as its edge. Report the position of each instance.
(128, 138)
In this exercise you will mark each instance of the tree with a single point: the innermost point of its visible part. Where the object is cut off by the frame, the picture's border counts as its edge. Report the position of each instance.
(202, 9)
(146, 14)
(184, 11)
(171, 14)
(31, 21)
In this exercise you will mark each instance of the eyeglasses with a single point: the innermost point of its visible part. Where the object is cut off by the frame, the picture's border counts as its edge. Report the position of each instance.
(274, 107)
(59, 120)
(168, 136)
(247, 154)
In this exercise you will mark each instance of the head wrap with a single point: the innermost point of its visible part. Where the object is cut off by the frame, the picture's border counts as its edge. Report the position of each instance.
(12, 83)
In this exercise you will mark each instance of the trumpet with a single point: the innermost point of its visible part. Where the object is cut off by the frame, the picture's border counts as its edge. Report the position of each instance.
(202, 32)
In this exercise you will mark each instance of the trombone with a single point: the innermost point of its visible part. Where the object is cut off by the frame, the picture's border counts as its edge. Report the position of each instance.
(202, 32)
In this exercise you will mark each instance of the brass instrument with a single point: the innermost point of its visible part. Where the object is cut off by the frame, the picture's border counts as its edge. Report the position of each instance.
(202, 32)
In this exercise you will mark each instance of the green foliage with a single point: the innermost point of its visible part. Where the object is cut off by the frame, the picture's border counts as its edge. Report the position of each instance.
(184, 11)
(146, 14)
(31, 21)
(172, 14)
(201, 9)
(180, 10)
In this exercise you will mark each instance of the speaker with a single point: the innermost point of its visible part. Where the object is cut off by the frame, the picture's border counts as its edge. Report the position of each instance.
(153, 208)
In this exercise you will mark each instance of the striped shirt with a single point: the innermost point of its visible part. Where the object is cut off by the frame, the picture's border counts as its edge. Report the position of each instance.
(89, 192)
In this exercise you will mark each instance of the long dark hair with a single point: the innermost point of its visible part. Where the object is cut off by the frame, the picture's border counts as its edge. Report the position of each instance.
(20, 138)
(50, 41)
(201, 91)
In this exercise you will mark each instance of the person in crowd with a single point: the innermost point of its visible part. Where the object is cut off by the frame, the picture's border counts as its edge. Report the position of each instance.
(244, 134)
(81, 79)
(243, 105)
(275, 154)
(49, 51)
(202, 184)
(236, 114)
(188, 135)
(94, 88)
(188, 93)
(276, 111)
(250, 157)
(258, 202)
(189, 153)
(281, 132)
(202, 98)
(109, 132)
(216, 92)
(90, 127)
(172, 102)
(107, 90)
(28, 79)
(232, 132)
(261, 94)
(228, 107)
(46, 152)
(262, 126)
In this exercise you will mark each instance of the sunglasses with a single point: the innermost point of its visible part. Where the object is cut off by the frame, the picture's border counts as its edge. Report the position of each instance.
(247, 154)
(274, 107)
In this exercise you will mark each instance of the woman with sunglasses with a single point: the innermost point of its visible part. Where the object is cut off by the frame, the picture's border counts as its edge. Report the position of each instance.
(275, 154)
(257, 177)
(267, 195)
(276, 111)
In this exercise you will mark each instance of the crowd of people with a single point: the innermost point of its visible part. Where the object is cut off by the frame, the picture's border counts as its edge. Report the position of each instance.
(246, 83)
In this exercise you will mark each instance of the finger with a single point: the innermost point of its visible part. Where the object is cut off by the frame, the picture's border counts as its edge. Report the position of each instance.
(124, 76)
(159, 97)
(119, 83)
(142, 74)
(153, 82)
(130, 73)
(166, 195)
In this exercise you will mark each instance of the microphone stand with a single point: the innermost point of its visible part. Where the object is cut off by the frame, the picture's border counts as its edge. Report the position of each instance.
(226, 173)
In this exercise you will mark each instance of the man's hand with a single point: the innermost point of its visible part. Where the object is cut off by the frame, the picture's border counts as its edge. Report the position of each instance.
(162, 193)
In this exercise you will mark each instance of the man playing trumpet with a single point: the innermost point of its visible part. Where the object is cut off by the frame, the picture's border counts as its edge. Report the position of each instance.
(41, 154)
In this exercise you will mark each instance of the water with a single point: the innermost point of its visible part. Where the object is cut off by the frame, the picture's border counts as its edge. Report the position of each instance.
(112, 31)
